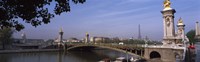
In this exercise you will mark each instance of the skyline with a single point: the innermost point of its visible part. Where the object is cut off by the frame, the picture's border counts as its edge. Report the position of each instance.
(115, 18)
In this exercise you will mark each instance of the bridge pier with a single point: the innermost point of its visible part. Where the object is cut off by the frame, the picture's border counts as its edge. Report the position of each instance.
(141, 53)
(164, 54)
(132, 51)
(136, 52)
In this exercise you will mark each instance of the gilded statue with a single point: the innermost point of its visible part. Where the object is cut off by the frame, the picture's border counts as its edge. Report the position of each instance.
(180, 20)
(167, 4)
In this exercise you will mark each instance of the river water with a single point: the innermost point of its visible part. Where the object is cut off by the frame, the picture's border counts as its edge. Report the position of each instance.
(197, 59)
(70, 56)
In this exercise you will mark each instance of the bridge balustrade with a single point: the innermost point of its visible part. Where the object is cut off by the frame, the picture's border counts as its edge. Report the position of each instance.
(136, 49)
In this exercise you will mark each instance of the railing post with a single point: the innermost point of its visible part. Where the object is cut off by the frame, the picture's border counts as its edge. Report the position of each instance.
(141, 53)
(135, 51)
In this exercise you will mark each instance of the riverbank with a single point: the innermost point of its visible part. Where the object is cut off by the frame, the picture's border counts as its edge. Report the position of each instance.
(27, 51)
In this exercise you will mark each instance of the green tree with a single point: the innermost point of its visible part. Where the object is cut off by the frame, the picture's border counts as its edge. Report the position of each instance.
(191, 36)
(6, 37)
(34, 12)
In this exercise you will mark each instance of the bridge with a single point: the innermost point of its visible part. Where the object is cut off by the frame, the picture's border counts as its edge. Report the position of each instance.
(173, 47)
(166, 54)
(135, 50)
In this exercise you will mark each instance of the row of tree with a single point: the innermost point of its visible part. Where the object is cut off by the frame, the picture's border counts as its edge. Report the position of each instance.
(191, 36)
(6, 37)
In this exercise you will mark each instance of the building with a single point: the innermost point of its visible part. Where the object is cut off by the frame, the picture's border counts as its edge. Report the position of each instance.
(29, 44)
(98, 39)
(73, 40)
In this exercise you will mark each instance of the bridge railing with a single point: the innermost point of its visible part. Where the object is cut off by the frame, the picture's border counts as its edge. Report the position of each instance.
(138, 46)
(127, 48)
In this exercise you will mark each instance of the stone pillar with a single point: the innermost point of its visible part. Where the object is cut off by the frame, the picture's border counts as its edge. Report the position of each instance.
(60, 37)
(141, 52)
(197, 35)
(23, 37)
(136, 51)
(197, 29)
(181, 31)
(168, 23)
(87, 38)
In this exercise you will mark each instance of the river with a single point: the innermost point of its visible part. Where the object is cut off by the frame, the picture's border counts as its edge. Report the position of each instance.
(197, 59)
(70, 56)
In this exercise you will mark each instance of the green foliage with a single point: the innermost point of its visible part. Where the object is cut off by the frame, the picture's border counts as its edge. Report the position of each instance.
(191, 36)
(6, 37)
(34, 12)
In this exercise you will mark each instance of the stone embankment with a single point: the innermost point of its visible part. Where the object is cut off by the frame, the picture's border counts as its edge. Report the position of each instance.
(27, 51)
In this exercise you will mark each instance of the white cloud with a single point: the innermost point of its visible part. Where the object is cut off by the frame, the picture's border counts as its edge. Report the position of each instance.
(113, 13)
(140, 0)
(136, 1)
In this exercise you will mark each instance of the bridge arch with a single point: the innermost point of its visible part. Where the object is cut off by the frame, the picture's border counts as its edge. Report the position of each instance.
(105, 47)
(155, 54)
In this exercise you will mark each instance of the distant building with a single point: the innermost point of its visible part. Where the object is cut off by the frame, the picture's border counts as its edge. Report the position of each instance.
(73, 40)
(29, 41)
(25, 43)
(29, 44)
(98, 39)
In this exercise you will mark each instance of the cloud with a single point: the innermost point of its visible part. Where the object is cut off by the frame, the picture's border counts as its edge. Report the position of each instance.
(114, 13)
(140, 0)
(136, 1)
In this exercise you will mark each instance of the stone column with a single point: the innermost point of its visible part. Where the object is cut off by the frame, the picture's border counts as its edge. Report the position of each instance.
(168, 19)
(141, 52)
(136, 51)
(168, 24)
(181, 31)
(87, 38)
(60, 37)
(197, 29)
(197, 35)
(23, 37)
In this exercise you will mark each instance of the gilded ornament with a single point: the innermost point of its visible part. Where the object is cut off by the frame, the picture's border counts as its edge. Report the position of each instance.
(167, 4)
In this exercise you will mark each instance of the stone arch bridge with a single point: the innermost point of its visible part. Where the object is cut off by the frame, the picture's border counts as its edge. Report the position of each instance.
(165, 54)
(137, 51)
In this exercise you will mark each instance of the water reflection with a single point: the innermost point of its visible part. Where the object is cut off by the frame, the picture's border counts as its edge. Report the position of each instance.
(69, 56)
(59, 57)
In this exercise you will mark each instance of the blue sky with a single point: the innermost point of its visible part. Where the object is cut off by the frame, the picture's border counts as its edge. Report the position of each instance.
(115, 18)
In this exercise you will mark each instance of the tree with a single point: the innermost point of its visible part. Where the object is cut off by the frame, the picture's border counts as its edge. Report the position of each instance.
(6, 37)
(34, 12)
(191, 36)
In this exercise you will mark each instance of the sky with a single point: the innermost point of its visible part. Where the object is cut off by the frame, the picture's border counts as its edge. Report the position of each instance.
(114, 18)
